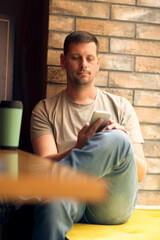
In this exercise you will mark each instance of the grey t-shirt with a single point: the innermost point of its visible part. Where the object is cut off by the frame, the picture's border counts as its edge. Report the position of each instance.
(63, 118)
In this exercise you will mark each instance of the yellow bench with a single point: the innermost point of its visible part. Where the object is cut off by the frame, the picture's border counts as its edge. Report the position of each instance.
(143, 225)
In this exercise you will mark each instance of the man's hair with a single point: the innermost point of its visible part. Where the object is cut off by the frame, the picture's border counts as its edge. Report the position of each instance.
(79, 37)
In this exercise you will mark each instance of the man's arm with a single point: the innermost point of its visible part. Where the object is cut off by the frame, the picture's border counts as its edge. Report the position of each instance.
(140, 161)
(45, 145)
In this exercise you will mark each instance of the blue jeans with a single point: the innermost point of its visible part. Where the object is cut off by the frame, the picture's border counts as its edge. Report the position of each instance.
(107, 155)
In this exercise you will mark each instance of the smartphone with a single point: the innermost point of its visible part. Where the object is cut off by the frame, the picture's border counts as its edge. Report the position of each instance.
(100, 114)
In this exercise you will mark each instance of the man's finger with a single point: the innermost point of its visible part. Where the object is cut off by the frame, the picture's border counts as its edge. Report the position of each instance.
(92, 129)
(84, 129)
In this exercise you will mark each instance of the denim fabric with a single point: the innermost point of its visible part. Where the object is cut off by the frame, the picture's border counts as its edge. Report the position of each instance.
(6, 210)
(107, 155)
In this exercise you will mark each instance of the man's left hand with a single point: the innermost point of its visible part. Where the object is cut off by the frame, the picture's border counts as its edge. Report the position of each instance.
(114, 125)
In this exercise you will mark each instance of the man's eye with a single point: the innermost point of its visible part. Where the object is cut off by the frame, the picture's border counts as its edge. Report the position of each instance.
(89, 59)
(76, 57)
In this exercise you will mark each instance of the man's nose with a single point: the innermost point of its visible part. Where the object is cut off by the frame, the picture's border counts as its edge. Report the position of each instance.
(83, 63)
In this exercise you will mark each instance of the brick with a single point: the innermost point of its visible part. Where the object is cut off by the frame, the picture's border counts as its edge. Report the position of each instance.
(54, 89)
(101, 78)
(136, 14)
(152, 148)
(108, 28)
(151, 198)
(61, 23)
(79, 8)
(147, 31)
(147, 64)
(149, 3)
(134, 80)
(103, 43)
(151, 182)
(53, 57)
(56, 40)
(147, 98)
(56, 75)
(151, 132)
(128, 94)
(128, 2)
(153, 165)
(148, 115)
(135, 47)
(117, 62)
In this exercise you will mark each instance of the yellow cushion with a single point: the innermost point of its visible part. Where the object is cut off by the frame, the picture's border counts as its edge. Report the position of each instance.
(143, 225)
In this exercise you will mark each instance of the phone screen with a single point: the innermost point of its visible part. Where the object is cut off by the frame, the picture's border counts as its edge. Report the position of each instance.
(100, 114)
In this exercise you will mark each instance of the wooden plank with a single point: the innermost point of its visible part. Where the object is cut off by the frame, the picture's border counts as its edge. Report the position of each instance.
(6, 57)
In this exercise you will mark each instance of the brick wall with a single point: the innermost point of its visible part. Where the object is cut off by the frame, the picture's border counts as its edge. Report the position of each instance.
(129, 36)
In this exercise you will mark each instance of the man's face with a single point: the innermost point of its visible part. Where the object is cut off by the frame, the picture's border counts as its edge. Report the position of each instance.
(81, 63)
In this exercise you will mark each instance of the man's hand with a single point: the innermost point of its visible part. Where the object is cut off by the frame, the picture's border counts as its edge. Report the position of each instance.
(114, 125)
(87, 132)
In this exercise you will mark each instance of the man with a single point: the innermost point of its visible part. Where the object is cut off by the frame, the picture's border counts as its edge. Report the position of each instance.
(60, 131)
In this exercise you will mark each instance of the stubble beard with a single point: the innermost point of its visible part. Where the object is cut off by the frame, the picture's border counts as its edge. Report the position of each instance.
(81, 82)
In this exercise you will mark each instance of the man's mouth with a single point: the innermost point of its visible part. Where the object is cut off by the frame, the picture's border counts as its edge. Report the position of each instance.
(82, 73)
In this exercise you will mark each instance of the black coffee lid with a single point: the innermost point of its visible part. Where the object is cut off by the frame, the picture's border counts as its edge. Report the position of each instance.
(11, 104)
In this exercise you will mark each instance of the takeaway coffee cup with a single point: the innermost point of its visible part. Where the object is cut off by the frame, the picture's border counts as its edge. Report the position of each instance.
(10, 124)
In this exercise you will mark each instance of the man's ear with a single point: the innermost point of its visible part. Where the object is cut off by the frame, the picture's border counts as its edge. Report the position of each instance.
(62, 60)
(98, 63)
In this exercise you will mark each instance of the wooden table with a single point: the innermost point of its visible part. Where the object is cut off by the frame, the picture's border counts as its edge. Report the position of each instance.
(27, 177)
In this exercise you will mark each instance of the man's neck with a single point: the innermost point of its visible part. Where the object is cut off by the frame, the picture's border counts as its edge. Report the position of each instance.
(84, 95)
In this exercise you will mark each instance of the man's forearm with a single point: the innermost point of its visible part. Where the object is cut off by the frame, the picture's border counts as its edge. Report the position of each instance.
(141, 168)
(59, 156)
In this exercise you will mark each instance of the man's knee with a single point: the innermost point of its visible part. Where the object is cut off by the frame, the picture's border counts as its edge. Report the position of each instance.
(114, 138)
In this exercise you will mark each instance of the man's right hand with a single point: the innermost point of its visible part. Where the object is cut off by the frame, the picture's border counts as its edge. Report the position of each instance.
(45, 145)
(87, 132)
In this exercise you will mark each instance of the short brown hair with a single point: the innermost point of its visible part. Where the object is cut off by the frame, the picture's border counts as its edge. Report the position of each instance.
(80, 37)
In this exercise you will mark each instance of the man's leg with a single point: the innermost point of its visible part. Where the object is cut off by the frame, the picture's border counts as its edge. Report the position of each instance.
(6, 211)
(53, 219)
(121, 201)
(109, 155)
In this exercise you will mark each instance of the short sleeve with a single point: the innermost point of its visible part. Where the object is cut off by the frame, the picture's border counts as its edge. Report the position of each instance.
(130, 121)
(40, 123)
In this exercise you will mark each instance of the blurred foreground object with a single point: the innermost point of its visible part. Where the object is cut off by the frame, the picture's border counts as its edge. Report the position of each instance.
(25, 177)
